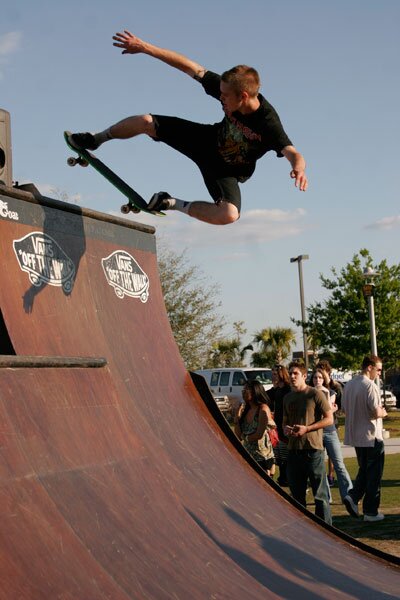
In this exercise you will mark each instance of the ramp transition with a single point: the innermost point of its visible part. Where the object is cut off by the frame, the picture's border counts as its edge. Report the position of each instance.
(116, 482)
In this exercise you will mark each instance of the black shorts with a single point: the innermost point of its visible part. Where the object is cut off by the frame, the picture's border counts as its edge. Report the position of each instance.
(267, 463)
(198, 142)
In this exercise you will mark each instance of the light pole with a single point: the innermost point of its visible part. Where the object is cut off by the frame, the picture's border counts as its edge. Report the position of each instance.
(368, 290)
(299, 260)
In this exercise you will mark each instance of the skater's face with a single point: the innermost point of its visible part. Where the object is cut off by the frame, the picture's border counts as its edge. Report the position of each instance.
(230, 99)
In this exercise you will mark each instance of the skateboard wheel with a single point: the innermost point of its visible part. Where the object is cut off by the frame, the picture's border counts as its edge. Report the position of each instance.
(83, 162)
(134, 209)
(71, 161)
(125, 209)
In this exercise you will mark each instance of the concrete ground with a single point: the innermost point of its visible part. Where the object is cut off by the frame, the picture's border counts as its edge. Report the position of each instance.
(392, 446)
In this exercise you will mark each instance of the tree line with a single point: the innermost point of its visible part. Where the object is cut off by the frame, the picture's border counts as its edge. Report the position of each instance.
(338, 328)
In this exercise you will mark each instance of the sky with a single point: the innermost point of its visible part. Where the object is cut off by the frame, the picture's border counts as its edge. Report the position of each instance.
(331, 70)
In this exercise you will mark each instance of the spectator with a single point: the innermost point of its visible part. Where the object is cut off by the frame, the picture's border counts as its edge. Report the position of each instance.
(281, 387)
(306, 411)
(252, 424)
(336, 387)
(363, 430)
(330, 438)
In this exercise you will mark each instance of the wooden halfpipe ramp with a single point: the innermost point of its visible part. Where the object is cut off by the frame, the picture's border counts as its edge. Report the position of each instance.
(116, 482)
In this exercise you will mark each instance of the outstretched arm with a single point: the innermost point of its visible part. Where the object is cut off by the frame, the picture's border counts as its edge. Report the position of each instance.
(298, 167)
(134, 45)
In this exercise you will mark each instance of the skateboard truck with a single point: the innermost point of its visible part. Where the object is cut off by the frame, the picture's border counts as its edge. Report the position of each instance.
(127, 208)
(72, 161)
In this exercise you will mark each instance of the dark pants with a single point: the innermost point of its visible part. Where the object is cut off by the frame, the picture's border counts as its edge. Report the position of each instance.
(304, 466)
(198, 142)
(281, 452)
(368, 481)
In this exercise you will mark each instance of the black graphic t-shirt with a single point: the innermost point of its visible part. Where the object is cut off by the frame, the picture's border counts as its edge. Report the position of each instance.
(243, 139)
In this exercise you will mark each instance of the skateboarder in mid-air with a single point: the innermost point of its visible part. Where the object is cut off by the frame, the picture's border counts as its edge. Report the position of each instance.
(225, 152)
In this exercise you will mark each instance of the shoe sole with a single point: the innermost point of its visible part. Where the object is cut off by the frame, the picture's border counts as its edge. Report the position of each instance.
(350, 509)
(76, 146)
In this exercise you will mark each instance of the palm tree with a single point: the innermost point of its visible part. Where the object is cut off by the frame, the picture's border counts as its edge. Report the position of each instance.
(227, 352)
(274, 344)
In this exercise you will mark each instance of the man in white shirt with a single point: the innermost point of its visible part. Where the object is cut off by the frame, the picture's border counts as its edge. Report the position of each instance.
(362, 404)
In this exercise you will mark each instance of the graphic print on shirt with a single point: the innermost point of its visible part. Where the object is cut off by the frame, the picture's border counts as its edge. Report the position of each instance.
(235, 141)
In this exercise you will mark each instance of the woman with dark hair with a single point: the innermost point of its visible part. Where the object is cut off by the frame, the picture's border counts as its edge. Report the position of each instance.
(252, 424)
(281, 387)
(320, 380)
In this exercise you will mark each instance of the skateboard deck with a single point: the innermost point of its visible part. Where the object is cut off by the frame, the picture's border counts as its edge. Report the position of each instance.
(135, 202)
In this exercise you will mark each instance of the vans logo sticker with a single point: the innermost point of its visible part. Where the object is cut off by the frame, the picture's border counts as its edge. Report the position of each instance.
(44, 260)
(6, 213)
(125, 276)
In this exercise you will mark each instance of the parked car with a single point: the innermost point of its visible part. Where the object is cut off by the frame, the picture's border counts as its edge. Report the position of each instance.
(229, 382)
(389, 400)
(394, 381)
(223, 404)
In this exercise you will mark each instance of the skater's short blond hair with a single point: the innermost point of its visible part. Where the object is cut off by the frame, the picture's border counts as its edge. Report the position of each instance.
(243, 79)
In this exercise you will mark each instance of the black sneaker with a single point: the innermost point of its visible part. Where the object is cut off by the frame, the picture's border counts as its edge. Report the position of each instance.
(83, 141)
(159, 201)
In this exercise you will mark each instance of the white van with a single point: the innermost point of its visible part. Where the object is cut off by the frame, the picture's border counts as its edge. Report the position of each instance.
(230, 382)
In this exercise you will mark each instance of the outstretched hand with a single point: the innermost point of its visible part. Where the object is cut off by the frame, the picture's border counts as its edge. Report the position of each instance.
(298, 165)
(129, 42)
(301, 179)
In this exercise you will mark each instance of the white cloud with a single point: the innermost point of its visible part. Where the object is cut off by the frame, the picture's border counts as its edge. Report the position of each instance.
(254, 227)
(52, 191)
(9, 43)
(385, 223)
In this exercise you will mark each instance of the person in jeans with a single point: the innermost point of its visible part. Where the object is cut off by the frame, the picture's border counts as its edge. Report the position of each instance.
(362, 405)
(306, 411)
(330, 438)
(337, 388)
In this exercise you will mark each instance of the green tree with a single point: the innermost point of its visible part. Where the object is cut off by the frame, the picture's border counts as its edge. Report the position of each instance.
(340, 325)
(274, 346)
(192, 307)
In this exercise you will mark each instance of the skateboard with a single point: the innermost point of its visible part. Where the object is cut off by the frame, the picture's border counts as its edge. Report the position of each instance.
(135, 203)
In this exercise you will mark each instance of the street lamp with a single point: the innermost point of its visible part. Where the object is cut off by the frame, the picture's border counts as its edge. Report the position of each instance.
(368, 290)
(299, 260)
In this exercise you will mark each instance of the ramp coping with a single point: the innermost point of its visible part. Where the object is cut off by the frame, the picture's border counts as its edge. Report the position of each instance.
(26, 362)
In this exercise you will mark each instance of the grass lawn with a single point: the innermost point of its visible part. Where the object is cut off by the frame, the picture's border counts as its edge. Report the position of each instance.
(384, 535)
(391, 423)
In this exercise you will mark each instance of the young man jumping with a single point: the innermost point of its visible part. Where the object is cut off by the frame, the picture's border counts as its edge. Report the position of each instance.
(225, 152)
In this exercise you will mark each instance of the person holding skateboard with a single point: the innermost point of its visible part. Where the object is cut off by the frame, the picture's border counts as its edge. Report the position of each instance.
(225, 152)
